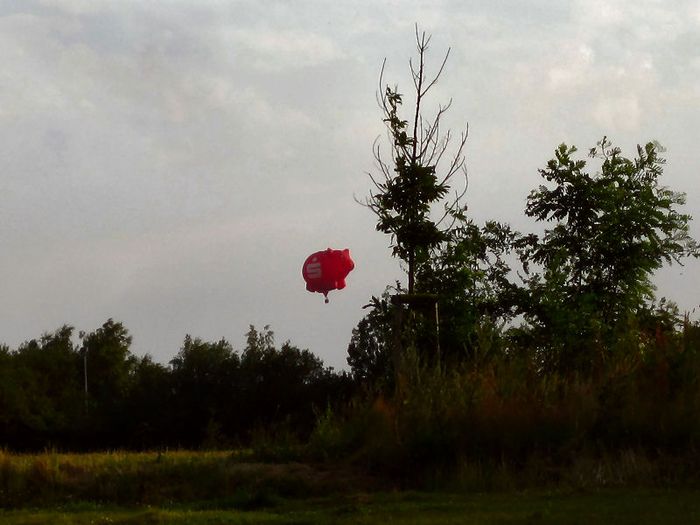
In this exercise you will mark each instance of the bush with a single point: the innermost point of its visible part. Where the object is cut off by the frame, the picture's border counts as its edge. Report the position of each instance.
(508, 415)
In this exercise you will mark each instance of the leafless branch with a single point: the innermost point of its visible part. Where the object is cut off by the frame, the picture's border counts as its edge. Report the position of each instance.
(455, 203)
(459, 158)
(381, 94)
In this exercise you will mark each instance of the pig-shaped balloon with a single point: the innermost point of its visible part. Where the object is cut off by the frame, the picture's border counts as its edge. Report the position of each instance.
(326, 270)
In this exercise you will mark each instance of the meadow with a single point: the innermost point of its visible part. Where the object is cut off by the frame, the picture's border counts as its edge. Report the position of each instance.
(180, 487)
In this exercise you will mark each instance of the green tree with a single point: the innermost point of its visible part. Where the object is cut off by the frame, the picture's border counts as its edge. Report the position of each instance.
(369, 355)
(448, 258)
(282, 385)
(110, 366)
(150, 406)
(204, 385)
(48, 403)
(471, 275)
(612, 230)
(12, 398)
(419, 175)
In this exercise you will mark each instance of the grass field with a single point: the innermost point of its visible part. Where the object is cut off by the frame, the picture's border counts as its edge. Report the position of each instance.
(223, 487)
(606, 506)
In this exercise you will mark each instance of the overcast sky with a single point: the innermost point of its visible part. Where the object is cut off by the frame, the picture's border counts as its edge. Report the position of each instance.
(171, 164)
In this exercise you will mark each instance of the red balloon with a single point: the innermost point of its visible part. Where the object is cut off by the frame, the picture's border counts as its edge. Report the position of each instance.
(326, 270)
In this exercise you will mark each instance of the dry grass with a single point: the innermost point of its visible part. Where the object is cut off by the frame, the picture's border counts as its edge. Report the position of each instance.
(157, 478)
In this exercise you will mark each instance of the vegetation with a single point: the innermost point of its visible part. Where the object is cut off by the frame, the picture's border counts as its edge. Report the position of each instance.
(611, 232)
(162, 478)
(96, 395)
(553, 347)
(220, 487)
(631, 420)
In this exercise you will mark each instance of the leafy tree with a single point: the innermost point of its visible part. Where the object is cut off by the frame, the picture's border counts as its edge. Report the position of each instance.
(470, 273)
(49, 406)
(369, 355)
(209, 396)
(448, 257)
(415, 180)
(258, 345)
(109, 365)
(221, 398)
(471, 276)
(283, 385)
(198, 362)
(150, 404)
(612, 231)
(203, 374)
(12, 397)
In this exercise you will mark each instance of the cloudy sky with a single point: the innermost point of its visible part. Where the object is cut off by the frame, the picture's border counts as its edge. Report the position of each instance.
(170, 164)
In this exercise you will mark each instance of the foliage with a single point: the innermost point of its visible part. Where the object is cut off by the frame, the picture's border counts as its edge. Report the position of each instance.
(470, 275)
(46, 398)
(447, 255)
(368, 352)
(586, 282)
(110, 366)
(577, 360)
(611, 231)
(507, 410)
(210, 396)
(150, 406)
(202, 373)
(412, 183)
(285, 386)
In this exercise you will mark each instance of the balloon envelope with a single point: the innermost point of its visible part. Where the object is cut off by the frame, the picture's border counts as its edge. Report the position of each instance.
(326, 270)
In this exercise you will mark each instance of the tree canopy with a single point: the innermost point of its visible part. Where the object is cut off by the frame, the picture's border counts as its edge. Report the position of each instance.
(419, 174)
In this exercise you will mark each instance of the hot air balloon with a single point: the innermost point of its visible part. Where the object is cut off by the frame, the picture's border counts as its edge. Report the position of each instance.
(326, 270)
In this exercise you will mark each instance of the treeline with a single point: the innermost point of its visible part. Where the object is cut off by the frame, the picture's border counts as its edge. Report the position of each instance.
(95, 394)
(552, 359)
(569, 297)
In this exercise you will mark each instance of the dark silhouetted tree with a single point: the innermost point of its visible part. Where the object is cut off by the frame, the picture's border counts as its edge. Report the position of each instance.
(110, 367)
(48, 402)
(419, 174)
(203, 376)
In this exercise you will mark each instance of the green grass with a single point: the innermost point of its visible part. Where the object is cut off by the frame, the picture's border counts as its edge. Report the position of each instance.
(606, 506)
(229, 488)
